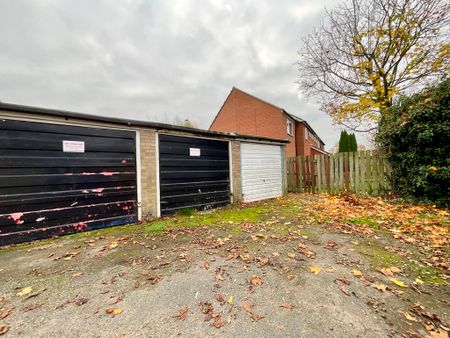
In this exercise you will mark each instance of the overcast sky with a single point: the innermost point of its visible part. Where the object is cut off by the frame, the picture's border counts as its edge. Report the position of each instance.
(156, 60)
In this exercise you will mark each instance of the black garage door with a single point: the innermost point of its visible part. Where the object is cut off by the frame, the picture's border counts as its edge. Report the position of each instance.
(59, 179)
(193, 173)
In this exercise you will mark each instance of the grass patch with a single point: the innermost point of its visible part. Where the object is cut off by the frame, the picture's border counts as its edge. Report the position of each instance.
(217, 217)
(27, 245)
(186, 212)
(156, 227)
(371, 222)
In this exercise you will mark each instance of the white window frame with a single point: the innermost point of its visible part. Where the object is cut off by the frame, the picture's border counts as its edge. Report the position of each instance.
(290, 127)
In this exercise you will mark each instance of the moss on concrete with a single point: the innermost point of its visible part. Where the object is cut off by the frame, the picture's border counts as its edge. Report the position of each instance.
(381, 258)
(217, 218)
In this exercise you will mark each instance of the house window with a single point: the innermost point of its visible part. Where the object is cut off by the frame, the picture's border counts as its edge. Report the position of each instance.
(306, 134)
(290, 128)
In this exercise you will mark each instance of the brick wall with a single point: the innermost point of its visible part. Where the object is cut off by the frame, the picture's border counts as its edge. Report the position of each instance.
(303, 144)
(245, 114)
(300, 137)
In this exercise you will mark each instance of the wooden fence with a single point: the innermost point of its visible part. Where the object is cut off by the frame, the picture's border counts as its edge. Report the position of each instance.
(360, 172)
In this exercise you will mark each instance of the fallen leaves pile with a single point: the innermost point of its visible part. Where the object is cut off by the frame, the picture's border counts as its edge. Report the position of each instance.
(426, 227)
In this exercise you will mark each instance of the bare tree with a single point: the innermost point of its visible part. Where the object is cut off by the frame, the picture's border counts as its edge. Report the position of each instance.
(365, 52)
(184, 122)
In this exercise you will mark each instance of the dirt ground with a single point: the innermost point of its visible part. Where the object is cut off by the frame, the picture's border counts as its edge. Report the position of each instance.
(285, 268)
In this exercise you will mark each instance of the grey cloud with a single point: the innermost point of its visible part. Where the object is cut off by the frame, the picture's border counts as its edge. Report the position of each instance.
(156, 59)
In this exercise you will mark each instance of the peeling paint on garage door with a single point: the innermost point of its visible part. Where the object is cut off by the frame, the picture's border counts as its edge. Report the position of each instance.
(57, 179)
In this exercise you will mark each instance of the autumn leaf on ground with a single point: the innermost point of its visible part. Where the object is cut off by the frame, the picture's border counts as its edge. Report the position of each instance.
(25, 291)
(247, 307)
(344, 290)
(304, 250)
(32, 306)
(256, 317)
(114, 245)
(255, 280)
(437, 334)
(206, 265)
(230, 300)
(70, 255)
(217, 321)
(291, 255)
(205, 308)
(356, 273)
(330, 245)
(379, 287)
(35, 294)
(3, 329)
(219, 275)
(290, 277)
(262, 261)
(398, 282)
(287, 306)
(182, 314)
(77, 274)
(156, 279)
(115, 300)
(113, 311)
(219, 298)
(314, 269)
(5, 312)
(409, 317)
(344, 280)
(389, 271)
(418, 281)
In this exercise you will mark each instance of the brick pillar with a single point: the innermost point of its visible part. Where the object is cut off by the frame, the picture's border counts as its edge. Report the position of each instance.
(148, 174)
(236, 170)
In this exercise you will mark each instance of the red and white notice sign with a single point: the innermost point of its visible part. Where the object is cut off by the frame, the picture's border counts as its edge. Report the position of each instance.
(73, 146)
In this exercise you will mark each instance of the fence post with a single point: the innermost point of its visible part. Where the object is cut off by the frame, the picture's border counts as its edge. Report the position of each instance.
(368, 172)
(318, 171)
(375, 187)
(346, 171)
(289, 174)
(351, 172)
(362, 163)
(328, 172)
(381, 177)
(307, 175)
(341, 172)
(300, 173)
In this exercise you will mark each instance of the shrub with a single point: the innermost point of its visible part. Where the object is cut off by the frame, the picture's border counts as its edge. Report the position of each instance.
(415, 136)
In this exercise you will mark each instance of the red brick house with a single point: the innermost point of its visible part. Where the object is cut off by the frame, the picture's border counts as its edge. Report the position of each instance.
(246, 114)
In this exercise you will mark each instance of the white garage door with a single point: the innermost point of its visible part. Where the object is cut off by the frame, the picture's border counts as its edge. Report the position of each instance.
(261, 170)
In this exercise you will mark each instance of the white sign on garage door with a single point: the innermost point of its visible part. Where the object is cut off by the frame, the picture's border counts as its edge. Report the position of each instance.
(261, 170)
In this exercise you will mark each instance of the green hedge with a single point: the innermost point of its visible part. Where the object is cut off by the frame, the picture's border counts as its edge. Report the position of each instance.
(415, 135)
